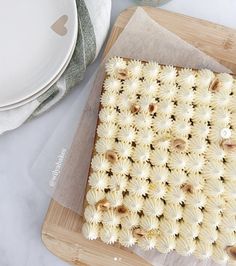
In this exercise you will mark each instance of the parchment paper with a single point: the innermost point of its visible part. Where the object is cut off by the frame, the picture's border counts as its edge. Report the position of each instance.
(143, 39)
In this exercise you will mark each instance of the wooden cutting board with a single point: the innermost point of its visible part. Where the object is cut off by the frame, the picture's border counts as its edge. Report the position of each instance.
(61, 229)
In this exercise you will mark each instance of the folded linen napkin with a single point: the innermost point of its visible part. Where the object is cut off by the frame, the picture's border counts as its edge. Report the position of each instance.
(93, 25)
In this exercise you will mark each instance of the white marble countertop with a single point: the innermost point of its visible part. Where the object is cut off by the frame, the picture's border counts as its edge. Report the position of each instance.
(22, 205)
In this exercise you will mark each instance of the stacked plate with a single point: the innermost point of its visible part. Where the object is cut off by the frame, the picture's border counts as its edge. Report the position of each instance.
(38, 38)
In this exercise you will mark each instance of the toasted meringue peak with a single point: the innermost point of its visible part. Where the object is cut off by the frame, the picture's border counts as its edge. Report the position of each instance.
(196, 199)
(196, 181)
(118, 182)
(195, 163)
(181, 128)
(151, 71)
(219, 255)
(147, 243)
(175, 195)
(202, 113)
(186, 78)
(130, 221)
(159, 157)
(168, 74)
(165, 107)
(141, 153)
(140, 170)
(167, 91)
(138, 187)
(158, 173)
(213, 187)
(90, 231)
(115, 198)
(135, 68)
(110, 218)
(93, 196)
(203, 250)
(188, 230)
(92, 215)
(133, 202)
(149, 222)
(125, 101)
(107, 115)
(125, 118)
(208, 234)
(162, 123)
(197, 145)
(203, 97)
(153, 207)
(149, 87)
(169, 228)
(143, 121)
(185, 95)
(204, 78)
(103, 145)
(107, 130)
(108, 99)
(192, 215)
(126, 134)
(122, 166)
(126, 238)
(132, 86)
(112, 84)
(114, 65)
(109, 234)
(98, 180)
(165, 244)
(173, 211)
(177, 161)
(123, 149)
(185, 246)
(157, 189)
(177, 177)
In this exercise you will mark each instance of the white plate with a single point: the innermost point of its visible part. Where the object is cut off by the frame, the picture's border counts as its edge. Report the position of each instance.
(36, 95)
(37, 38)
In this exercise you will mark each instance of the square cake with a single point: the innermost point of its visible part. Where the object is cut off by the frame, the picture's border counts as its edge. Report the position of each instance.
(163, 171)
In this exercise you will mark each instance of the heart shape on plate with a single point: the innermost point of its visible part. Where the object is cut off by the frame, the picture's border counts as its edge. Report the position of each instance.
(59, 26)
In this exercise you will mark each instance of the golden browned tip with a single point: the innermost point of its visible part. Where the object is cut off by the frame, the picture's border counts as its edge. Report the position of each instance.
(111, 156)
(152, 108)
(122, 210)
(215, 85)
(228, 145)
(135, 108)
(179, 144)
(103, 205)
(122, 74)
(187, 188)
(231, 251)
(138, 232)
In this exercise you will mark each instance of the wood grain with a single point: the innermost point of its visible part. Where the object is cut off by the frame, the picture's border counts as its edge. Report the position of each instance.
(213, 39)
(61, 229)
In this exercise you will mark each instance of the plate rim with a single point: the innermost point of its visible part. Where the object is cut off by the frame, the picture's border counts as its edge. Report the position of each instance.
(46, 85)
(45, 89)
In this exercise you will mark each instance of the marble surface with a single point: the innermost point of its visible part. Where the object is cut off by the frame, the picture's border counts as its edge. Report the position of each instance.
(22, 204)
